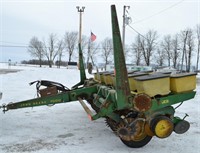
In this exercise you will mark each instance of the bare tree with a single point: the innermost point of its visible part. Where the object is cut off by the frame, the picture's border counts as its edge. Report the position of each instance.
(148, 45)
(183, 37)
(71, 39)
(51, 52)
(88, 52)
(60, 49)
(136, 48)
(126, 51)
(190, 46)
(93, 53)
(187, 37)
(175, 51)
(107, 49)
(198, 44)
(160, 57)
(166, 46)
(36, 49)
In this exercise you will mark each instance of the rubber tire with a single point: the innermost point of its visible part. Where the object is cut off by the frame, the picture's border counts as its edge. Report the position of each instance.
(156, 120)
(137, 144)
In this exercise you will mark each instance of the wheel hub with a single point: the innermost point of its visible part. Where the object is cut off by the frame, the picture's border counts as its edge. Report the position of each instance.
(162, 126)
(131, 129)
(123, 131)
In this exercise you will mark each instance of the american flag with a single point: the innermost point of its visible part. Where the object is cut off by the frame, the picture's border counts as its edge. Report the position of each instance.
(93, 37)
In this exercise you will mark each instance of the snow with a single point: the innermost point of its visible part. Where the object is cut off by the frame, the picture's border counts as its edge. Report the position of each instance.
(65, 128)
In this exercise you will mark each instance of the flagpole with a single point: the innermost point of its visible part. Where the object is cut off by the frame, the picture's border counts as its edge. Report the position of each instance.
(90, 42)
(89, 53)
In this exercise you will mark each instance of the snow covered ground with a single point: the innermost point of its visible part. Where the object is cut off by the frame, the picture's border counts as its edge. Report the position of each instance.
(65, 128)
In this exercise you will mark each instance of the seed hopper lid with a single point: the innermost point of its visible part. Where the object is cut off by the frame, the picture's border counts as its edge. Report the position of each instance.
(152, 77)
(108, 73)
(136, 74)
(180, 75)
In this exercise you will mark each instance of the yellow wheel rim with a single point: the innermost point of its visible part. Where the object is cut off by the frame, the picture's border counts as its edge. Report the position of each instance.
(163, 128)
(140, 132)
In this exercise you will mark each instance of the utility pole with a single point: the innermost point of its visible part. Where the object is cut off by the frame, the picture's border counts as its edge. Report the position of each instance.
(125, 22)
(80, 10)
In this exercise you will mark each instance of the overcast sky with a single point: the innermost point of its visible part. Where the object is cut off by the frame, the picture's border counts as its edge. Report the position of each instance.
(22, 19)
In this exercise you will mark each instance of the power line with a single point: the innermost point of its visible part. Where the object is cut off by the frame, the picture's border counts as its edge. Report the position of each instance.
(141, 34)
(21, 46)
(42, 47)
(14, 46)
(146, 18)
(12, 43)
(137, 32)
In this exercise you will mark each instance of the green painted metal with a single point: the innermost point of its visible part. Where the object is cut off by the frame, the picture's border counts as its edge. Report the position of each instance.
(69, 96)
(50, 100)
(169, 100)
(122, 84)
(176, 120)
(81, 67)
(107, 109)
(168, 110)
(85, 93)
(108, 101)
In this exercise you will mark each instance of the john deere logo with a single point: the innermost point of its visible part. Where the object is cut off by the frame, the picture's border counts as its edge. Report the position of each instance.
(166, 101)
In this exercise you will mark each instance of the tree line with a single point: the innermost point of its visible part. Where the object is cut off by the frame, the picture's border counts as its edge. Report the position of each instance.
(56, 48)
(170, 50)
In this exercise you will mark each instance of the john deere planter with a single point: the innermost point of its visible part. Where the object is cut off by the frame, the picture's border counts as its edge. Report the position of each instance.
(136, 105)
